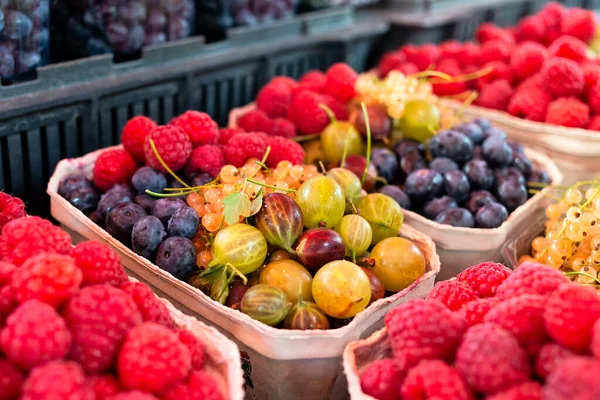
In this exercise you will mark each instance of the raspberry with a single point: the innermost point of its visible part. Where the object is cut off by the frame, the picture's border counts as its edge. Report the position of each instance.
(382, 380)
(570, 315)
(112, 167)
(531, 278)
(34, 334)
(283, 127)
(50, 278)
(151, 308)
(339, 109)
(225, 134)
(579, 23)
(11, 381)
(134, 135)
(488, 31)
(199, 126)
(527, 59)
(153, 358)
(99, 263)
(423, 330)
(313, 80)
(389, 62)
(434, 379)
(286, 81)
(525, 391)
(451, 49)
(562, 77)
(195, 347)
(134, 395)
(422, 56)
(485, 278)
(6, 272)
(201, 385)
(568, 111)
(284, 149)
(550, 356)
(453, 294)
(494, 50)
(274, 99)
(523, 317)
(530, 104)
(8, 302)
(531, 28)
(339, 82)
(498, 70)
(99, 318)
(445, 88)
(255, 121)
(570, 48)
(474, 311)
(244, 146)
(208, 158)
(552, 13)
(10, 208)
(595, 344)
(56, 380)
(407, 68)
(594, 124)
(490, 359)
(104, 387)
(495, 95)
(533, 82)
(470, 54)
(593, 98)
(574, 378)
(172, 144)
(591, 75)
(305, 112)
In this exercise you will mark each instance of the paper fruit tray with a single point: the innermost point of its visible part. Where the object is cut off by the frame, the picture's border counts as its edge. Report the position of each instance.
(278, 363)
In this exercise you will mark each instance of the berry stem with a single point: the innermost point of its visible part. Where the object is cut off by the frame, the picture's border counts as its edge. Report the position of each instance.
(306, 138)
(165, 166)
(368, 125)
(582, 273)
(329, 112)
(269, 186)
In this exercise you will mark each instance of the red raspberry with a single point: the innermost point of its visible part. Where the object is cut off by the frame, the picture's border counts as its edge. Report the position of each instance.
(134, 135)
(407, 68)
(225, 134)
(527, 59)
(570, 315)
(10, 208)
(475, 311)
(593, 98)
(533, 82)
(112, 167)
(284, 149)
(591, 75)
(150, 306)
(34, 334)
(485, 278)
(8, 302)
(286, 81)
(339, 82)
(423, 330)
(199, 126)
(495, 50)
(531, 28)
(56, 380)
(562, 77)
(552, 14)
(305, 112)
(201, 385)
(243, 146)
(594, 124)
(50, 278)
(389, 62)
(422, 56)
(451, 49)
(208, 158)
(6, 272)
(523, 317)
(313, 80)
(274, 99)
(434, 379)
(495, 95)
(575, 378)
(11, 381)
(195, 346)
(99, 318)
(579, 23)
(172, 144)
(488, 31)
(525, 391)
(382, 380)
(595, 344)
(470, 54)
(551, 355)
(453, 294)
(490, 359)
(339, 109)
(530, 104)
(568, 111)
(255, 121)
(104, 387)
(153, 358)
(570, 48)
(498, 70)
(135, 395)
(444, 88)
(99, 263)
(283, 127)
(531, 278)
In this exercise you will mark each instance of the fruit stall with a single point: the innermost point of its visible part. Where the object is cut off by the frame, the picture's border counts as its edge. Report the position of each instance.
(299, 200)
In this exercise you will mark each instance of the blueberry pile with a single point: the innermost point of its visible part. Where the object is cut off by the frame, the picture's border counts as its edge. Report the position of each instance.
(469, 176)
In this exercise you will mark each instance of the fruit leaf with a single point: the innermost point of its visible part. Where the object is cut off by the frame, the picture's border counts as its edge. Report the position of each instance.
(256, 203)
(236, 205)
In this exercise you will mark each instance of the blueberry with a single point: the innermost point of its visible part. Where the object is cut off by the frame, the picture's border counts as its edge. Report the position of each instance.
(120, 220)
(523, 164)
(512, 194)
(443, 165)
(177, 256)
(516, 147)
(483, 123)
(109, 200)
(472, 131)
(537, 175)
(184, 222)
(477, 154)
(505, 173)
(147, 178)
(397, 194)
(201, 179)
(436, 206)
(164, 208)
(479, 199)
(494, 132)
(451, 144)
(175, 184)
(424, 185)
(147, 234)
(407, 146)
(145, 201)
(479, 174)
(386, 163)
(497, 152)
(490, 216)
(84, 198)
(457, 185)
(458, 217)
(71, 183)
(121, 188)
(410, 162)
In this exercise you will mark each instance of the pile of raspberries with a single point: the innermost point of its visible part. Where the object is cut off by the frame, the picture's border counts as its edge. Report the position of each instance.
(541, 69)
(72, 326)
(492, 333)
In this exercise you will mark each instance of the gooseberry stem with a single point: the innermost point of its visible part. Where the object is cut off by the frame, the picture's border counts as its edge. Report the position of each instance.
(306, 138)
(582, 273)
(165, 166)
(269, 186)
(329, 112)
(368, 126)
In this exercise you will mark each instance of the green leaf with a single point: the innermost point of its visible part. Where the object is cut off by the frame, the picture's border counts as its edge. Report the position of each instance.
(257, 203)
(236, 205)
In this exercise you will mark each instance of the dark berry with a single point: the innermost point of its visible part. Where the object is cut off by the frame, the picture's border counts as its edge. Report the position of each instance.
(443, 165)
(512, 194)
(184, 222)
(147, 234)
(457, 185)
(410, 162)
(458, 217)
(483, 123)
(386, 163)
(84, 198)
(523, 165)
(451, 144)
(472, 131)
(423, 185)
(479, 174)
(397, 194)
(434, 207)
(540, 176)
(407, 146)
(494, 132)
(147, 178)
(505, 173)
(491, 215)
(109, 200)
(201, 179)
(122, 188)
(477, 154)
(145, 201)
(177, 256)
(516, 147)
(72, 182)
(497, 152)
(479, 199)
(120, 220)
(163, 209)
